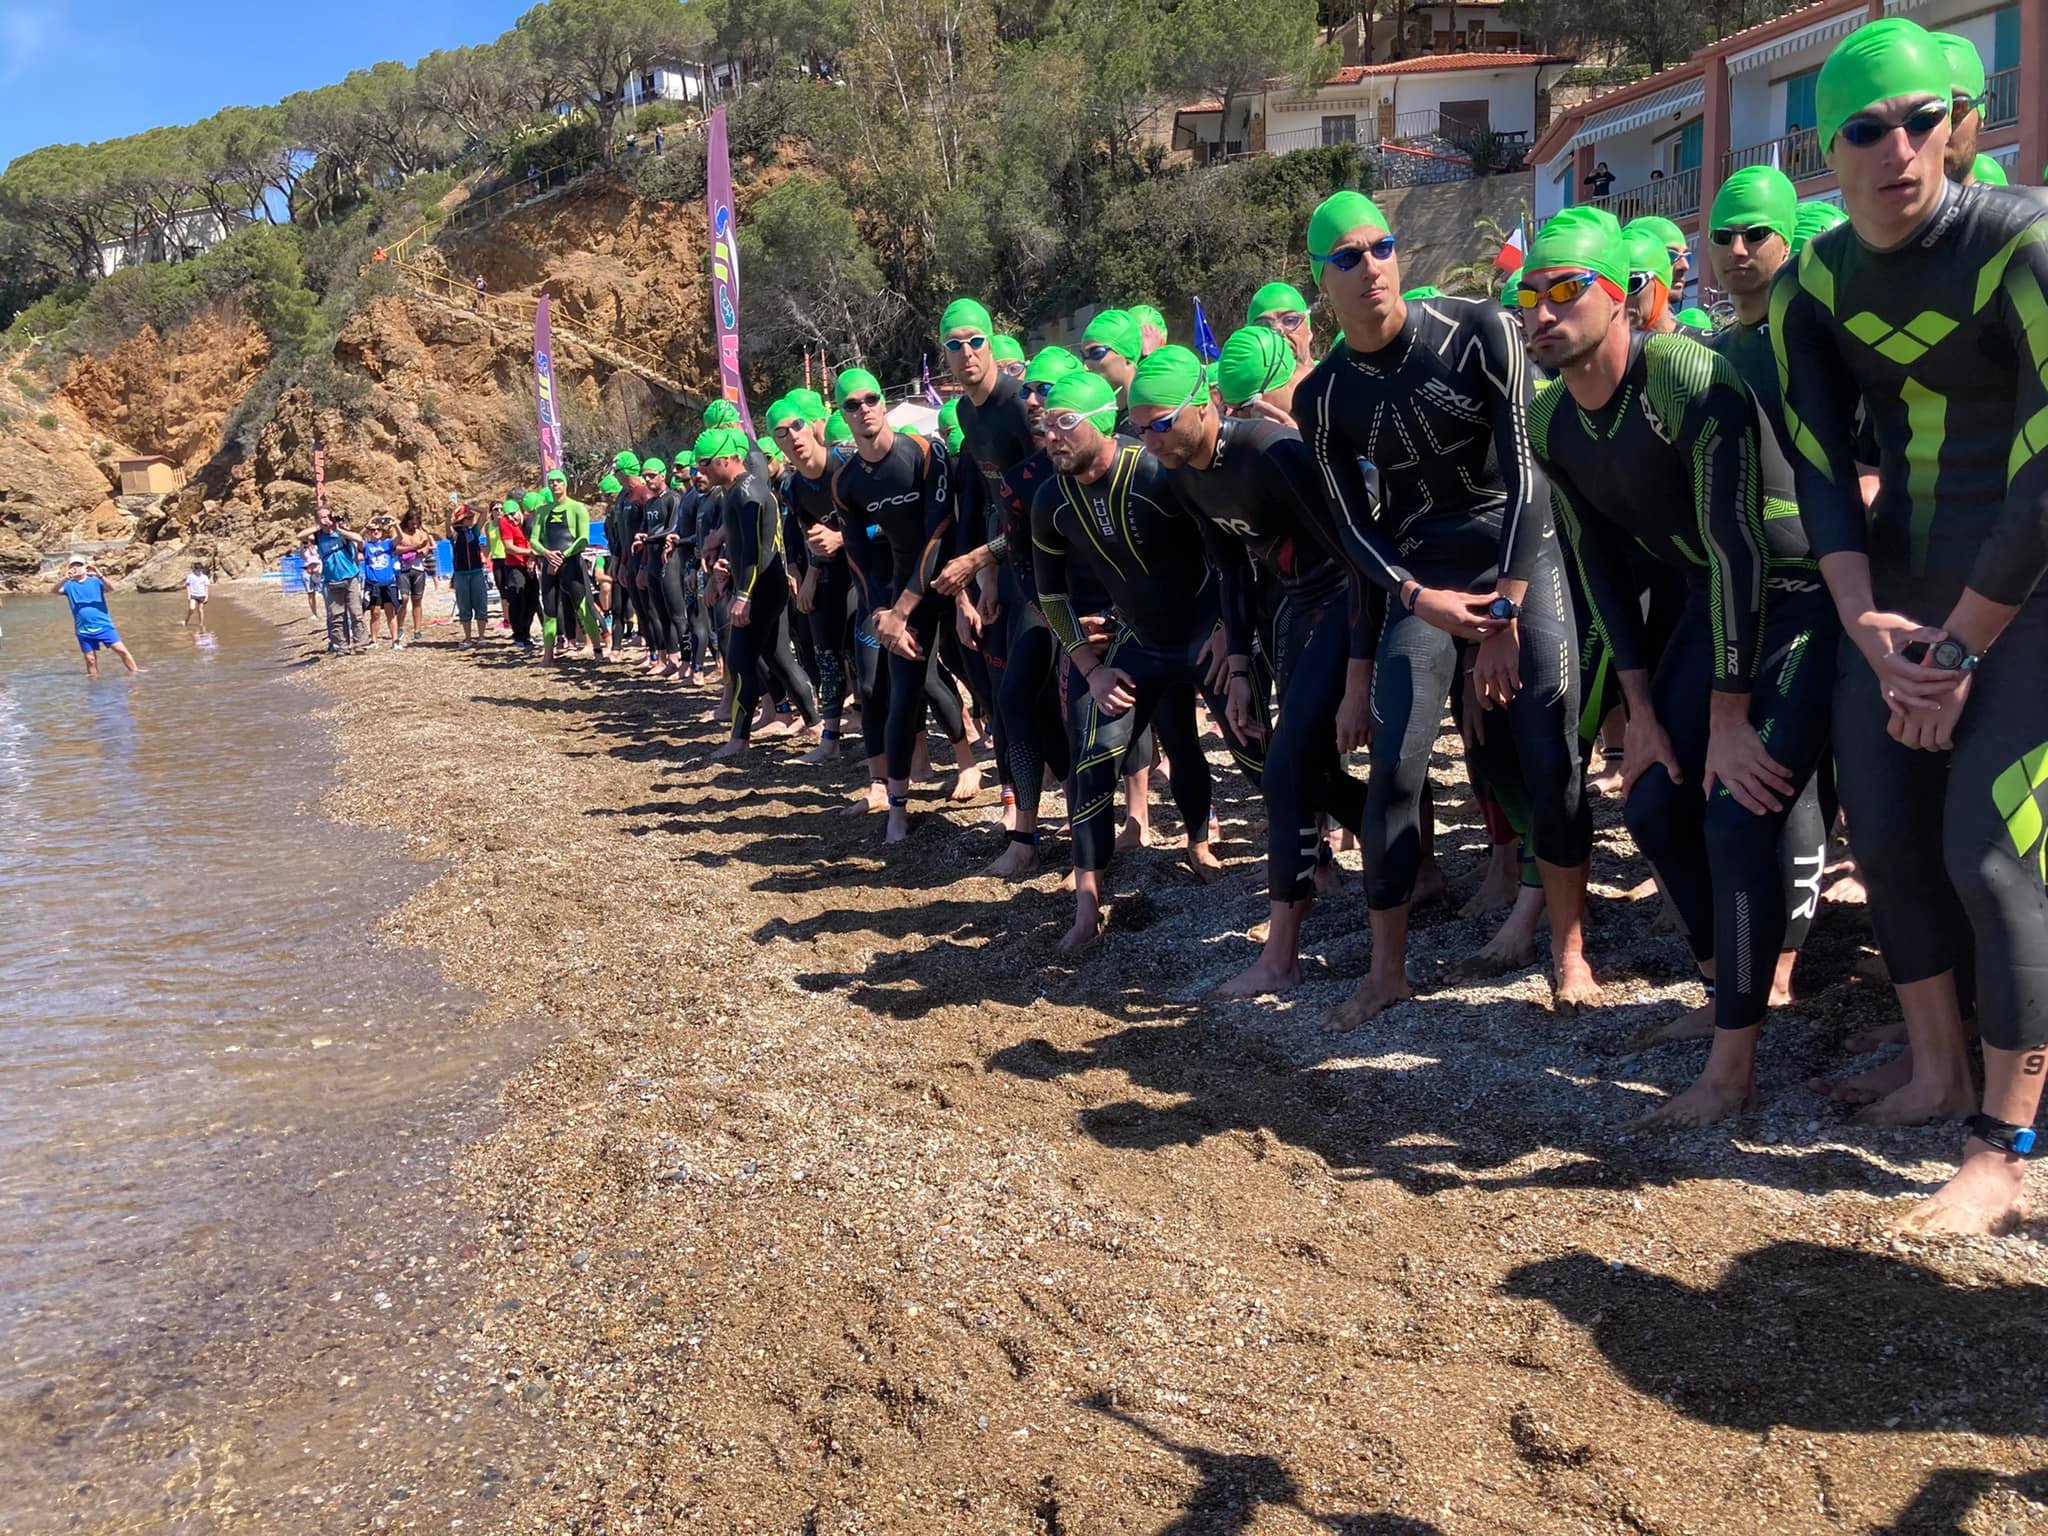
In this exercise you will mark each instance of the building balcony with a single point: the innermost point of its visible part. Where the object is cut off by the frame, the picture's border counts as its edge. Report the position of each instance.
(2002, 98)
(1797, 154)
(1673, 197)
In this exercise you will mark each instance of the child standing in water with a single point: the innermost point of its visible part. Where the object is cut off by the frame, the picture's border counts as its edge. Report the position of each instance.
(86, 591)
(197, 584)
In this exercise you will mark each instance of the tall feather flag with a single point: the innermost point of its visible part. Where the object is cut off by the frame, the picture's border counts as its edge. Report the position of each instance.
(1205, 339)
(931, 393)
(725, 266)
(547, 415)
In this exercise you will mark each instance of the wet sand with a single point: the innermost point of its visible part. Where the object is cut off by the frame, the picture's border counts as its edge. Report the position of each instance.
(841, 1204)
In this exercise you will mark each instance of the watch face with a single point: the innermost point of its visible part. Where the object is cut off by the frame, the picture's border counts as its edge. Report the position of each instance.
(1501, 608)
(1948, 654)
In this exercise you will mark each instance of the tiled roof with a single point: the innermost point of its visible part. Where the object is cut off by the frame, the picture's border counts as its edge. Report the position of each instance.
(1444, 63)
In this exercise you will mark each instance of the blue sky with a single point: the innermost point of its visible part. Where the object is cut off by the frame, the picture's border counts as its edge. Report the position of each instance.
(75, 71)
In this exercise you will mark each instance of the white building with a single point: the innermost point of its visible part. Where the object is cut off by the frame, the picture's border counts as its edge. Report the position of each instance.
(181, 238)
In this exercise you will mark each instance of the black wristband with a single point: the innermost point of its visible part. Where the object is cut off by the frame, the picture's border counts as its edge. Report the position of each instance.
(1413, 598)
(2018, 1140)
(1240, 672)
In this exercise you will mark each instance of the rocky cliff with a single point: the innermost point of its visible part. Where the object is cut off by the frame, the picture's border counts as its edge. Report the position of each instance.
(425, 398)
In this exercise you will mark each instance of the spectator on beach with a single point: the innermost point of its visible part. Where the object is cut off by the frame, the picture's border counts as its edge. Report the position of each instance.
(197, 584)
(415, 549)
(309, 575)
(86, 591)
(341, 581)
(471, 583)
(380, 577)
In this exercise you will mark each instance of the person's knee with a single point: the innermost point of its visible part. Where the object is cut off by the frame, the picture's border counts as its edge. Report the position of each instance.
(1653, 814)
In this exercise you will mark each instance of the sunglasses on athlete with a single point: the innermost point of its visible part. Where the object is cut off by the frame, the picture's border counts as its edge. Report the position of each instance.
(960, 343)
(1755, 234)
(1862, 132)
(1562, 290)
(1347, 260)
(1036, 391)
(1165, 423)
(860, 402)
(1637, 282)
(1096, 353)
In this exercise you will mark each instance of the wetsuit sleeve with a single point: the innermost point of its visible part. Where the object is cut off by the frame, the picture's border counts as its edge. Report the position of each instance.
(936, 484)
(1525, 521)
(1291, 453)
(1231, 562)
(1049, 566)
(1353, 502)
(1819, 401)
(579, 530)
(749, 537)
(1728, 500)
(2013, 560)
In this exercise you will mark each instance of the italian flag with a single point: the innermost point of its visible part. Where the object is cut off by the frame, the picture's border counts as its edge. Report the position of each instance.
(1513, 251)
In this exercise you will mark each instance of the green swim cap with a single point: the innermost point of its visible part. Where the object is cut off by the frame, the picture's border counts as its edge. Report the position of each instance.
(810, 402)
(1090, 394)
(1254, 360)
(1988, 172)
(721, 413)
(1007, 349)
(1423, 293)
(511, 507)
(1274, 298)
(836, 430)
(782, 413)
(1669, 233)
(685, 459)
(628, 461)
(1756, 194)
(1582, 237)
(533, 501)
(1646, 253)
(910, 429)
(954, 439)
(1893, 57)
(854, 381)
(1146, 315)
(1051, 365)
(1170, 377)
(1814, 217)
(770, 451)
(653, 466)
(1335, 217)
(1695, 317)
(966, 314)
(553, 475)
(1965, 64)
(720, 443)
(949, 414)
(610, 485)
(1117, 330)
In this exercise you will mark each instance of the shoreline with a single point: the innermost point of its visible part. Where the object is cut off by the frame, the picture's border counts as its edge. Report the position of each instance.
(837, 1203)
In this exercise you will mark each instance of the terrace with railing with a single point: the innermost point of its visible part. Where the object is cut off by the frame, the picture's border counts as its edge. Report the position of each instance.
(1672, 196)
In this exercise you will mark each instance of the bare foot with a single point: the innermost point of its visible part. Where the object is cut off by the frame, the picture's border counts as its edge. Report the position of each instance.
(1017, 861)
(1261, 977)
(775, 725)
(1206, 867)
(1606, 782)
(1922, 1102)
(1987, 1196)
(1086, 930)
(1497, 888)
(1698, 1024)
(1642, 890)
(1373, 997)
(1866, 1040)
(1430, 886)
(1848, 889)
(1132, 836)
(1781, 980)
(874, 798)
(967, 786)
(1572, 986)
(1705, 1102)
(1329, 879)
(1667, 918)
(1260, 931)
(1867, 1087)
(729, 751)
(1508, 950)
(823, 752)
(899, 825)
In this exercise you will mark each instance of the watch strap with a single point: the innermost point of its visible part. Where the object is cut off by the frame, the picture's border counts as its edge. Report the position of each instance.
(2017, 1139)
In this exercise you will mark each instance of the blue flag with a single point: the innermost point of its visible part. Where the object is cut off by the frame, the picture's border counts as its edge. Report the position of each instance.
(1205, 339)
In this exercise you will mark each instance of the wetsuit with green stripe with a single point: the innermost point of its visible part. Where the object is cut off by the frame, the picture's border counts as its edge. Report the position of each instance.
(1153, 557)
(1944, 340)
(1671, 462)
(563, 528)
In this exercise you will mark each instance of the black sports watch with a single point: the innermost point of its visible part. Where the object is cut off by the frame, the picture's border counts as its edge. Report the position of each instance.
(1953, 656)
(1503, 609)
(2007, 1137)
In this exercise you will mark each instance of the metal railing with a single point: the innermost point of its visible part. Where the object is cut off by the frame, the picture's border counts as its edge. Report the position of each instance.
(1797, 154)
(2002, 98)
(1672, 196)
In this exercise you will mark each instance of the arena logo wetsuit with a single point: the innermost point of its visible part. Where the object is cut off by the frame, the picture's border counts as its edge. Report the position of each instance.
(1671, 462)
(1441, 414)
(1945, 341)
(1152, 556)
(563, 528)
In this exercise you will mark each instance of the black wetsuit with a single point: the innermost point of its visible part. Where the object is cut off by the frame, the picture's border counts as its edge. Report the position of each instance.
(906, 496)
(843, 661)
(753, 551)
(663, 567)
(1029, 693)
(1152, 556)
(995, 438)
(1945, 342)
(1672, 463)
(1262, 486)
(620, 527)
(1440, 414)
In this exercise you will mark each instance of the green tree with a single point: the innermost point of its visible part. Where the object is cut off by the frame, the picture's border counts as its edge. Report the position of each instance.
(1229, 48)
(600, 46)
(809, 280)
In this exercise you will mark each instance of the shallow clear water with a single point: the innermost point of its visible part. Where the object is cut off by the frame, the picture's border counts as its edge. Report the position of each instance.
(202, 1039)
